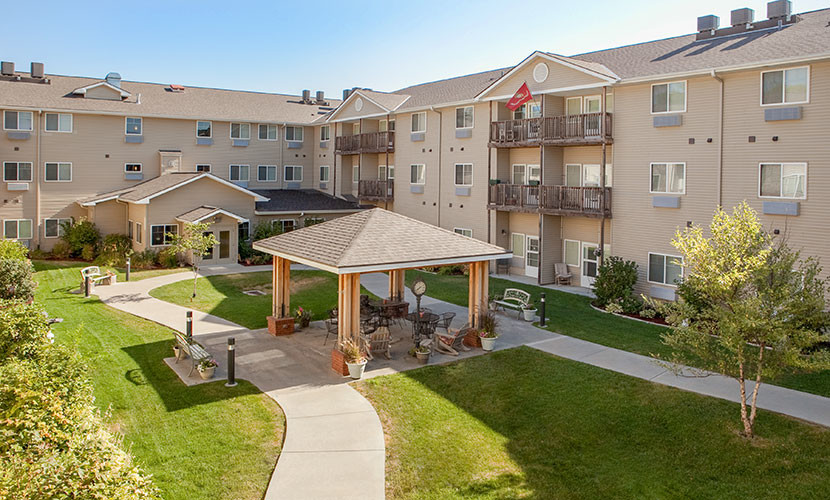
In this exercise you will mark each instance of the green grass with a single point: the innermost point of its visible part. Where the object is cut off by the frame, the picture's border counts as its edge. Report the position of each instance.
(135, 275)
(572, 315)
(200, 442)
(520, 423)
(222, 296)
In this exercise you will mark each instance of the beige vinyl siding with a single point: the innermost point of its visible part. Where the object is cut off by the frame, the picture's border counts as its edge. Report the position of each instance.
(584, 229)
(527, 224)
(165, 208)
(109, 217)
(559, 77)
(551, 243)
(351, 112)
(138, 214)
(103, 92)
(423, 207)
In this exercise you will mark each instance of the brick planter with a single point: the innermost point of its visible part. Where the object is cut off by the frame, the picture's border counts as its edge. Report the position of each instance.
(471, 339)
(280, 326)
(338, 363)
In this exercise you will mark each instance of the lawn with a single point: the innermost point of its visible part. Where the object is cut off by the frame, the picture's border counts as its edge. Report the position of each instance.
(521, 423)
(200, 442)
(222, 296)
(572, 315)
(135, 275)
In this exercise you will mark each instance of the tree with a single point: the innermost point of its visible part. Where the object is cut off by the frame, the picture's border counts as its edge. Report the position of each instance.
(750, 306)
(196, 239)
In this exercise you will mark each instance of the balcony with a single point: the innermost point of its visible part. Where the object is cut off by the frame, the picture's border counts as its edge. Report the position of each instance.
(371, 142)
(576, 130)
(375, 190)
(552, 200)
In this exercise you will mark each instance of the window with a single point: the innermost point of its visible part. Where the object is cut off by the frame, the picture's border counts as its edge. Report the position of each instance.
(132, 167)
(58, 172)
(239, 173)
(294, 134)
(783, 180)
(464, 117)
(203, 168)
(160, 234)
(138, 232)
(204, 129)
(664, 269)
(133, 126)
(419, 122)
(572, 253)
(310, 221)
(787, 86)
(266, 173)
(356, 173)
(58, 122)
(244, 231)
(518, 174)
(287, 225)
(293, 173)
(17, 120)
(463, 174)
(517, 245)
(668, 178)
(17, 229)
(668, 97)
(530, 109)
(417, 174)
(573, 175)
(267, 132)
(17, 171)
(241, 131)
(386, 126)
(573, 105)
(324, 173)
(130, 230)
(463, 232)
(53, 228)
(382, 172)
(325, 133)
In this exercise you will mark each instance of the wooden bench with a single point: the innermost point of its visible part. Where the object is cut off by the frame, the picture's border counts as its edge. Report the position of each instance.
(514, 299)
(196, 352)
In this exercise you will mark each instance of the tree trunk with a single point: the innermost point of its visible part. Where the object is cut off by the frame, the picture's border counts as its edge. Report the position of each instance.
(757, 385)
(744, 418)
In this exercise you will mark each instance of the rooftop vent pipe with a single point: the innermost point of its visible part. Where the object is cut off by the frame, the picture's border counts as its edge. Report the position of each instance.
(306, 96)
(321, 97)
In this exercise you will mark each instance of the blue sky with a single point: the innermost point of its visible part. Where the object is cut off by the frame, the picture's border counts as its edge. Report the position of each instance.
(290, 46)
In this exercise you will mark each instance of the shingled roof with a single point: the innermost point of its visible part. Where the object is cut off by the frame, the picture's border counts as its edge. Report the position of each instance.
(377, 240)
(301, 200)
(144, 191)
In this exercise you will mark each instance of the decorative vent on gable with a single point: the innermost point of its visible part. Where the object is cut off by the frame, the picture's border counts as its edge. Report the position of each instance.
(540, 72)
(358, 104)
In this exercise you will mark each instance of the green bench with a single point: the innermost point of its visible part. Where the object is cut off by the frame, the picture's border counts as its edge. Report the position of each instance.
(196, 352)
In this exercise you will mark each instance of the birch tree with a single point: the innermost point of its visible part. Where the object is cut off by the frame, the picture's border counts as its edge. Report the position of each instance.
(197, 240)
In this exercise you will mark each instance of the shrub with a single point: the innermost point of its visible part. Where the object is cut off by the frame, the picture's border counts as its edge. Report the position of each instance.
(262, 230)
(24, 330)
(648, 313)
(145, 259)
(615, 281)
(16, 279)
(614, 307)
(80, 235)
(88, 252)
(453, 270)
(12, 249)
(61, 250)
(630, 305)
(168, 259)
(114, 249)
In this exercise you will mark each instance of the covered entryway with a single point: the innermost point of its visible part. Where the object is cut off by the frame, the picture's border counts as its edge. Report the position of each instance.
(223, 225)
(375, 241)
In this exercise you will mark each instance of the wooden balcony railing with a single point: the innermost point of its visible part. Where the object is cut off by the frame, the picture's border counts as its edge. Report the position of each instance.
(554, 200)
(376, 190)
(551, 130)
(371, 142)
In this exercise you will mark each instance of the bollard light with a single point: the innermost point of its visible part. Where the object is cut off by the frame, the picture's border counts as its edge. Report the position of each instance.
(231, 362)
(86, 286)
(127, 278)
(542, 309)
(189, 330)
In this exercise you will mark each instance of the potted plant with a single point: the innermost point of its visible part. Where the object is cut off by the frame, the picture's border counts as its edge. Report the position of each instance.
(354, 359)
(493, 301)
(303, 317)
(487, 324)
(178, 352)
(529, 312)
(206, 368)
(422, 352)
(488, 340)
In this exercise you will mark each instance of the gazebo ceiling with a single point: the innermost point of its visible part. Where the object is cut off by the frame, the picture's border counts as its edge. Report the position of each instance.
(377, 240)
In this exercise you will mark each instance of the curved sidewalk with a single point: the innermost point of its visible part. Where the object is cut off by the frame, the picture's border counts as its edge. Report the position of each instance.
(334, 444)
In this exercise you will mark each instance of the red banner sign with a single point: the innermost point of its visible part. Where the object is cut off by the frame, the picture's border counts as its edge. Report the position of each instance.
(522, 96)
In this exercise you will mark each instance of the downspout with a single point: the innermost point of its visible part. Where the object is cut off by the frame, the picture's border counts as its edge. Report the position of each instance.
(282, 162)
(720, 138)
(602, 132)
(440, 134)
(386, 181)
(334, 163)
(489, 175)
(36, 224)
(541, 189)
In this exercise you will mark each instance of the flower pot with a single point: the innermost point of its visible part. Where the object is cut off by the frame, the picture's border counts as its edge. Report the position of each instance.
(423, 357)
(488, 343)
(207, 373)
(356, 369)
(529, 314)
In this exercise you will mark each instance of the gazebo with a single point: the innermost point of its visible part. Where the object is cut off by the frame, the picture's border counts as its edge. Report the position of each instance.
(371, 241)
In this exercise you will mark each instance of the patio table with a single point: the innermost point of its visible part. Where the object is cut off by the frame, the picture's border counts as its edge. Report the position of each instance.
(423, 325)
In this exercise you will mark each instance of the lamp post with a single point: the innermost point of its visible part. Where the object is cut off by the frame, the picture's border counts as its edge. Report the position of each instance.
(127, 277)
(189, 329)
(542, 309)
(231, 362)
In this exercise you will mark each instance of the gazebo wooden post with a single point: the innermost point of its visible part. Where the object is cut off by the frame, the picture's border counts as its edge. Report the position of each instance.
(478, 295)
(397, 283)
(281, 322)
(348, 318)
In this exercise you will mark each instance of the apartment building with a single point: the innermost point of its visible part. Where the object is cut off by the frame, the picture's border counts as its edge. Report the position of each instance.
(616, 151)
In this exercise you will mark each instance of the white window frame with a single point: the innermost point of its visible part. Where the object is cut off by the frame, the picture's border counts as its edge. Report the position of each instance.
(165, 239)
(60, 220)
(784, 102)
(668, 99)
(390, 172)
(209, 136)
(31, 121)
(412, 125)
(578, 252)
(58, 131)
(667, 163)
(293, 168)
(131, 229)
(472, 117)
(209, 168)
(781, 182)
(423, 175)
(383, 125)
(127, 119)
(267, 168)
(247, 226)
(463, 231)
(327, 168)
(58, 163)
(31, 171)
(524, 244)
(577, 99)
(294, 127)
(240, 138)
(283, 221)
(666, 258)
(355, 174)
(455, 174)
(17, 229)
(267, 130)
(327, 134)
(513, 173)
(138, 234)
(140, 168)
(247, 169)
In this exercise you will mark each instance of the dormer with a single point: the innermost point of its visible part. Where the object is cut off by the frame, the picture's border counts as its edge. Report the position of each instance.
(108, 89)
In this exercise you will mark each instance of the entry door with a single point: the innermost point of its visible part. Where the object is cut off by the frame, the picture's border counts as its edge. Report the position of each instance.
(589, 264)
(224, 244)
(532, 256)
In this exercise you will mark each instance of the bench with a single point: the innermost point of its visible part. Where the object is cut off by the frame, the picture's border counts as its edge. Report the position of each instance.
(196, 352)
(514, 299)
(94, 275)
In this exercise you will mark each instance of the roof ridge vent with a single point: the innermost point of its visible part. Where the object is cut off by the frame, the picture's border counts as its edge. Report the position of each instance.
(113, 79)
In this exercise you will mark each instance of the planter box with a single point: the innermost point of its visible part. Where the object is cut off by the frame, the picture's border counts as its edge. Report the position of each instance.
(280, 326)
(338, 363)
(471, 339)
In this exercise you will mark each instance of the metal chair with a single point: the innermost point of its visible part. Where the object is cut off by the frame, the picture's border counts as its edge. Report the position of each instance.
(331, 329)
(446, 320)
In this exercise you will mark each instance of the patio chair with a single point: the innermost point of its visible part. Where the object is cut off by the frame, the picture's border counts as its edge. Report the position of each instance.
(446, 320)
(331, 329)
(452, 341)
(378, 342)
(563, 275)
